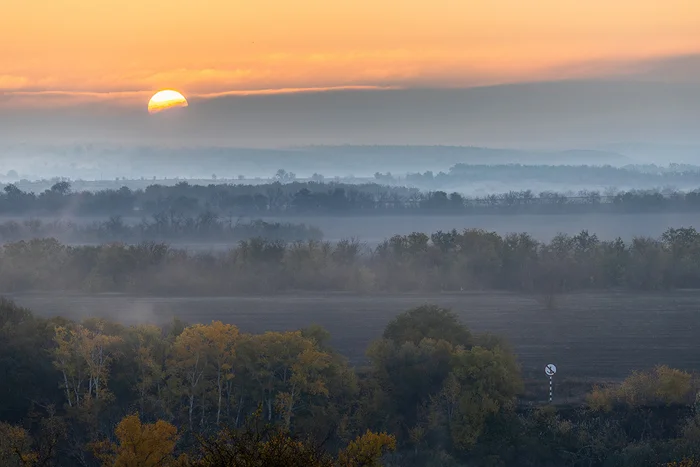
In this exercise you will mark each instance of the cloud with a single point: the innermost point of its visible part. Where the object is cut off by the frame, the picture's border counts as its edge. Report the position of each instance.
(652, 100)
(551, 114)
(288, 73)
(268, 92)
(263, 72)
(108, 100)
(62, 99)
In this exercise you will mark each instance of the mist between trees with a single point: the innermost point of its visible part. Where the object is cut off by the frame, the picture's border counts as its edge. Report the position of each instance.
(443, 261)
(432, 394)
(324, 199)
(206, 227)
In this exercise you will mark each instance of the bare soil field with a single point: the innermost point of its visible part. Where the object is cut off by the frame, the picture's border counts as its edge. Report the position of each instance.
(589, 336)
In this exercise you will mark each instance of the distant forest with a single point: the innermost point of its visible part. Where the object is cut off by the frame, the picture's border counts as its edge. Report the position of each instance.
(466, 178)
(319, 198)
(205, 227)
(443, 261)
(647, 176)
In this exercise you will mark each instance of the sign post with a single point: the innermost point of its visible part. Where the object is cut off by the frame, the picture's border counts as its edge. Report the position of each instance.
(550, 370)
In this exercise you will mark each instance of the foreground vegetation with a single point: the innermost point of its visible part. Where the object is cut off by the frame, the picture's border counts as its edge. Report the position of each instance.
(432, 393)
(319, 198)
(443, 261)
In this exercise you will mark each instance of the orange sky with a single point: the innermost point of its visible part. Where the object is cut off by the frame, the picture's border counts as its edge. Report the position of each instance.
(212, 46)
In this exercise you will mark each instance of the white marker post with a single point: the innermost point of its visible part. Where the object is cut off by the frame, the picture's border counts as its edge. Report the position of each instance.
(550, 370)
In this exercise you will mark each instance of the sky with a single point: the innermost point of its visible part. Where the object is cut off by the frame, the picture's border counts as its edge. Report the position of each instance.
(82, 63)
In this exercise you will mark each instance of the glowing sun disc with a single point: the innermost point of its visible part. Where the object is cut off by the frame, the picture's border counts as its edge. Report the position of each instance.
(164, 100)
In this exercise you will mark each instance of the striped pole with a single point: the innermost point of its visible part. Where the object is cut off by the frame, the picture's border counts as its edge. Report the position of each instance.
(550, 389)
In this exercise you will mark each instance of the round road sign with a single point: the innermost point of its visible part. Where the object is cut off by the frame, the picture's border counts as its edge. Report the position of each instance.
(550, 370)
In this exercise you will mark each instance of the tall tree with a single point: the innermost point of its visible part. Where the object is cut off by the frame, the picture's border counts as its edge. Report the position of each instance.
(83, 357)
(222, 348)
(148, 347)
(189, 361)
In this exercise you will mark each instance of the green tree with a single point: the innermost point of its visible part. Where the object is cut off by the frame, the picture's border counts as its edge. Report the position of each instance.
(148, 347)
(285, 369)
(407, 375)
(482, 383)
(428, 321)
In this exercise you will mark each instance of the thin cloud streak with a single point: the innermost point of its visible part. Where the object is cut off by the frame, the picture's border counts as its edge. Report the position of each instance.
(42, 99)
(38, 99)
(266, 92)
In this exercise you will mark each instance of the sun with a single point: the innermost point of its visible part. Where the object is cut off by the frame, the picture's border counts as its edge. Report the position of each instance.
(166, 99)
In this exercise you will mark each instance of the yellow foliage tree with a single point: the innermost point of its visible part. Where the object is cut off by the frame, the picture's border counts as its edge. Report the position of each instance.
(189, 361)
(140, 445)
(222, 339)
(684, 463)
(601, 399)
(96, 349)
(67, 360)
(661, 385)
(366, 450)
(15, 447)
(83, 358)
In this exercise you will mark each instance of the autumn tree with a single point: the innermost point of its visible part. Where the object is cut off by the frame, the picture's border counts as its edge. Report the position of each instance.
(16, 447)
(254, 445)
(222, 347)
(366, 450)
(656, 387)
(83, 357)
(285, 368)
(261, 444)
(140, 445)
(188, 363)
(687, 462)
(97, 350)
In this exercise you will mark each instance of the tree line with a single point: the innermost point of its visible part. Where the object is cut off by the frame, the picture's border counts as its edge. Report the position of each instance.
(320, 198)
(443, 261)
(170, 227)
(97, 393)
(629, 175)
